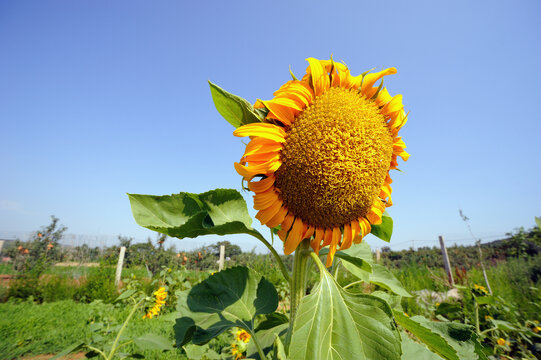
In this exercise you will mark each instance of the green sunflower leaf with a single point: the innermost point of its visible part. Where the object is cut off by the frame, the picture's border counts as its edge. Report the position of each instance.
(153, 341)
(235, 109)
(435, 342)
(332, 323)
(384, 277)
(450, 340)
(358, 260)
(230, 298)
(218, 212)
(414, 350)
(384, 231)
(538, 222)
(275, 325)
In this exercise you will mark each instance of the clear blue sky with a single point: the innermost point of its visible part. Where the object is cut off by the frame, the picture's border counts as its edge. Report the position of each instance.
(100, 98)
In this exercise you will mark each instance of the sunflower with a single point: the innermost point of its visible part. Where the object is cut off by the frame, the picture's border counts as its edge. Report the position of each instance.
(160, 295)
(319, 162)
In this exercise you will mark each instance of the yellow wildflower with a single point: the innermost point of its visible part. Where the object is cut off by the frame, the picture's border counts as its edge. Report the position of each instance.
(243, 335)
(501, 341)
(160, 295)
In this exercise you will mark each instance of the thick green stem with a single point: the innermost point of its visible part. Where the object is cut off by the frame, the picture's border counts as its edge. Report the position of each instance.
(298, 282)
(260, 237)
(97, 350)
(476, 308)
(133, 310)
(258, 346)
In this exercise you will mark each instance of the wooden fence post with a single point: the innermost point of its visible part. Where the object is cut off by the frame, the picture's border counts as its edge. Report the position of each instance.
(222, 258)
(446, 262)
(378, 255)
(119, 265)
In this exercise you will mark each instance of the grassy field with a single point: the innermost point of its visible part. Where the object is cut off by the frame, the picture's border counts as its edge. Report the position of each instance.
(30, 329)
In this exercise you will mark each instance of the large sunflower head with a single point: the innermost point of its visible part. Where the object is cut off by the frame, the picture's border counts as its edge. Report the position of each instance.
(319, 163)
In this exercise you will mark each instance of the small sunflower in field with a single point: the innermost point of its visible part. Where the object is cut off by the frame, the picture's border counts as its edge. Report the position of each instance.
(480, 290)
(160, 295)
(319, 163)
(243, 335)
(239, 346)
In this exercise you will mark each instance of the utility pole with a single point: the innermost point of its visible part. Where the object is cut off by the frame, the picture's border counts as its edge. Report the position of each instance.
(478, 242)
(446, 263)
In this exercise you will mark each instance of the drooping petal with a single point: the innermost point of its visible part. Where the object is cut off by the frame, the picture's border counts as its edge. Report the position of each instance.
(348, 238)
(265, 215)
(316, 241)
(294, 237)
(336, 235)
(278, 218)
(370, 79)
(265, 199)
(261, 185)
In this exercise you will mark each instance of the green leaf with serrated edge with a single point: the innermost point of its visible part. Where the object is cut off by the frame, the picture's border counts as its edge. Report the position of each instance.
(394, 301)
(480, 350)
(435, 342)
(460, 336)
(230, 298)
(412, 350)
(69, 350)
(271, 320)
(482, 300)
(153, 341)
(218, 212)
(197, 352)
(384, 277)
(233, 108)
(448, 308)
(126, 294)
(361, 251)
(279, 352)
(384, 231)
(332, 323)
(266, 339)
(274, 324)
(357, 261)
(504, 325)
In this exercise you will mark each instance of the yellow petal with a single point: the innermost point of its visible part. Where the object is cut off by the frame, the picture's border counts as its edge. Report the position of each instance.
(294, 237)
(336, 236)
(265, 199)
(266, 168)
(288, 221)
(346, 244)
(316, 242)
(370, 79)
(261, 185)
(356, 232)
(394, 105)
(265, 215)
(280, 112)
(319, 77)
(278, 218)
(264, 130)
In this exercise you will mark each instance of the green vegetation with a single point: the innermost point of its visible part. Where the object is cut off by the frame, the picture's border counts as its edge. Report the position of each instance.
(74, 303)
